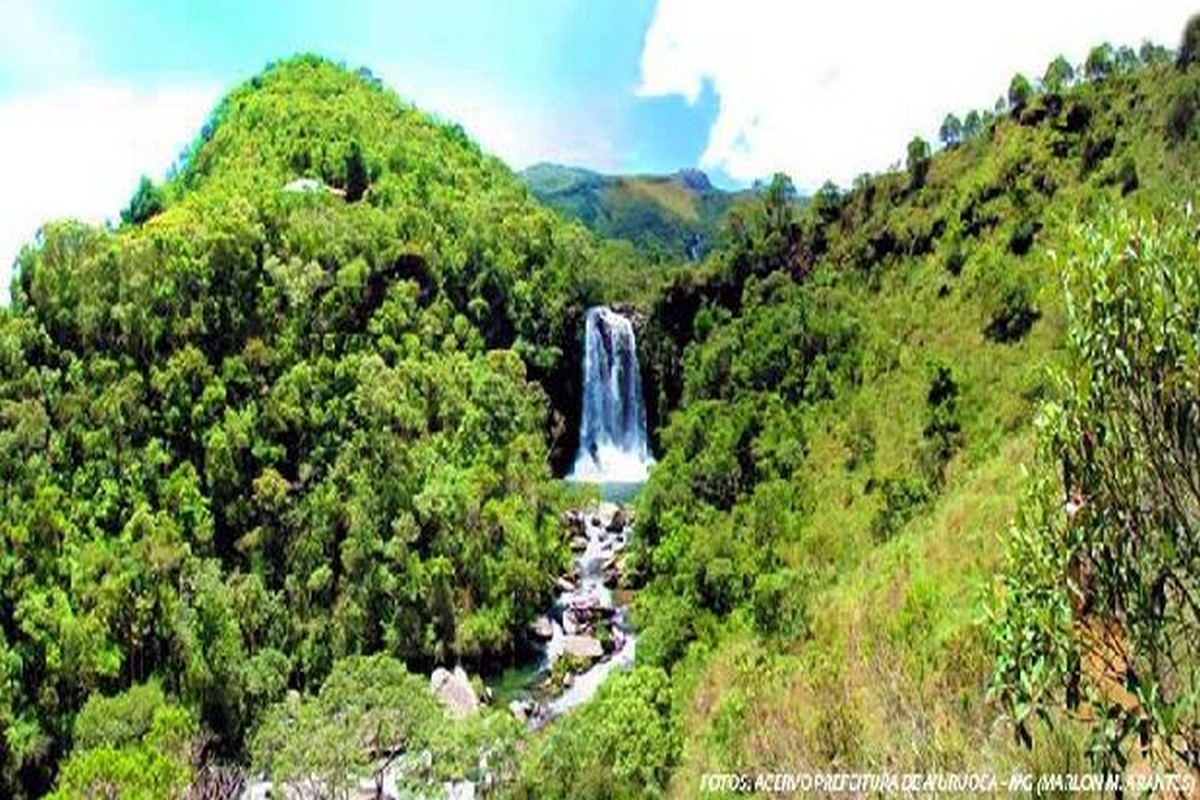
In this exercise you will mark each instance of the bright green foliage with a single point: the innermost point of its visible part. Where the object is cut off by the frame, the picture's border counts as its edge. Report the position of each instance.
(372, 715)
(136, 745)
(266, 429)
(1097, 607)
(921, 323)
(622, 744)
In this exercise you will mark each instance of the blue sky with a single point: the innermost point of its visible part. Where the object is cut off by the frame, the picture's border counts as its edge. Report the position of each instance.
(95, 93)
(569, 67)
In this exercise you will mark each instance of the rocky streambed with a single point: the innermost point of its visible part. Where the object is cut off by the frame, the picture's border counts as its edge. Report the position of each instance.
(586, 633)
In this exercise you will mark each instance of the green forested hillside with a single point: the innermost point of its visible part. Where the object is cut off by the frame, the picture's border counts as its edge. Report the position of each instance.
(285, 440)
(257, 429)
(669, 217)
(846, 398)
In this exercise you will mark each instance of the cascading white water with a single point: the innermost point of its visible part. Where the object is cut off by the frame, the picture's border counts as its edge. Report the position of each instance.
(613, 448)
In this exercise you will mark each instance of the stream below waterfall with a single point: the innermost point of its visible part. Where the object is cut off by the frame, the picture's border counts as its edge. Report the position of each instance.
(587, 623)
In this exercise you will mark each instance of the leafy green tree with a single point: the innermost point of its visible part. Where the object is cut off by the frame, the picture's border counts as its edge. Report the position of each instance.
(951, 132)
(136, 745)
(1020, 91)
(918, 161)
(1126, 60)
(622, 744)
(972, 124)
(372, 717)
(147, 202)
(1152, 54)
(1102, 566)
(1059, 75)
(1101, 61)
(827, 202)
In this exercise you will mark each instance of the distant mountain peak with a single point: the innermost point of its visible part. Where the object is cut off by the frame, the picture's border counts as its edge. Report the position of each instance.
(694, 179)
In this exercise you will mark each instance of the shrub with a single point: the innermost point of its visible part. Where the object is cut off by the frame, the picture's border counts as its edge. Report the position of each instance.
(1097, 593)
(1015, 310)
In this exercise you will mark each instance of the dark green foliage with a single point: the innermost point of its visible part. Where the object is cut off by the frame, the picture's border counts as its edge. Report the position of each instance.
(1020, 91)
(1015, 311)
(357, 180)
(943, 428)
(951, 132)
(827, 202)
(903, 499)
(1101, 61)
(1182, 112)
(1127, 175)
(917, 162)
(972, 124)
(146, 203)
(1021, 238)
(1189, 45)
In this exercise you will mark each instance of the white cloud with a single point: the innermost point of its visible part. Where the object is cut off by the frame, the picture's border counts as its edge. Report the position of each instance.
(34, 46)
(828, 90)
(79, 152)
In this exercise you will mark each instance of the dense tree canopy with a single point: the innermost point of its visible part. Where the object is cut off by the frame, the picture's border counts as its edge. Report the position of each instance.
(264, 427)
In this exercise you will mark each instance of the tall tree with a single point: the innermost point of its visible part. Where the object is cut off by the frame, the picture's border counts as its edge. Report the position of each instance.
(1019, 93)
(1059, 75)
(918, 162)
(147, 201)
(1100, 62)
(951, 132)
(972, 124)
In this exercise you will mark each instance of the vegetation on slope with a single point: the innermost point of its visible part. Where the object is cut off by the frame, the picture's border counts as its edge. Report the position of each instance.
(290, 429)
(847, 394)
(670, 218)
(258, 429)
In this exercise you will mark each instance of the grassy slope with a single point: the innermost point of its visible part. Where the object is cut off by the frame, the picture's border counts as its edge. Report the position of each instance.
(664, 215)
(893, 673)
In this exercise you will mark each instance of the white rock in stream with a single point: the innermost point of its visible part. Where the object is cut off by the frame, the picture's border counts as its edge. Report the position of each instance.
(582, 647)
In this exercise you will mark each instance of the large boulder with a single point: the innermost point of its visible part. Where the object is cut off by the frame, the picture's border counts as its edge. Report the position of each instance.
(587, 647)
(455, 692)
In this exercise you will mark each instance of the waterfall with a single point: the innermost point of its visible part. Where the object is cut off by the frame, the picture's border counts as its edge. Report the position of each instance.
(612, 439)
